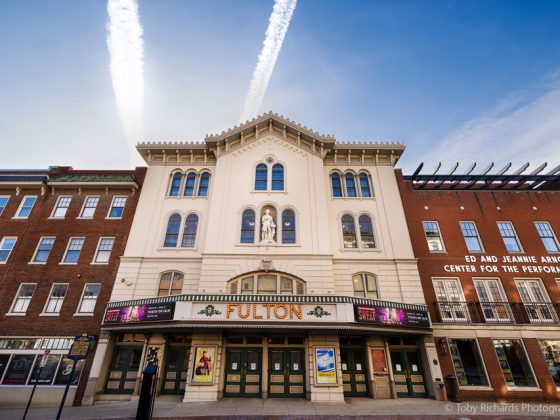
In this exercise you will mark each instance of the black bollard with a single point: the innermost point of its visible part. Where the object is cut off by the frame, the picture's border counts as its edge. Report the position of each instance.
(453, 391)
(147, 393)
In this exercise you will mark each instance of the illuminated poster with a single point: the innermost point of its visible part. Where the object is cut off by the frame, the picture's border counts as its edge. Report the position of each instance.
(140, 313)
(325, 365)
(383, 315)
(204, 364)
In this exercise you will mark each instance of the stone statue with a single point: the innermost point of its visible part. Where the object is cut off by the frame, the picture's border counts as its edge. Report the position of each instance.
(268, 228)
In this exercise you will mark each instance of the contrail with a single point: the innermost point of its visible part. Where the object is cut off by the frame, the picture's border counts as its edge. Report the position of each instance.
(277, 27)
(126, 50)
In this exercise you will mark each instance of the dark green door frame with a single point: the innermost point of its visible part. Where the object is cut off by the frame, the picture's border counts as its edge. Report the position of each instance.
(286, 372)
(408, 373)
(354, 372)
(243, 372)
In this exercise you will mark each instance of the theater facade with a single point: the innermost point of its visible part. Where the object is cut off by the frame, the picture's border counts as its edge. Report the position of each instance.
(268, 261)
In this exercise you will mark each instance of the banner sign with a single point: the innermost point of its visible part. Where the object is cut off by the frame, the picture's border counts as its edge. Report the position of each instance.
(140, 313)
(383, 315)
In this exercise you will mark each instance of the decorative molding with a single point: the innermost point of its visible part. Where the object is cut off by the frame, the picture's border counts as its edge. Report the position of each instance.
(209, 311)
(319, 312)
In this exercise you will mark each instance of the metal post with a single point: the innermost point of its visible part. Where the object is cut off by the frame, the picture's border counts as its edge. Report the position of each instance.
(32, 392)
(66, 390)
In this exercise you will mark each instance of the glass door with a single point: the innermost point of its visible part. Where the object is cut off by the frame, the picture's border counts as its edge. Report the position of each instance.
(243, 372)
(176, 366)
(354, 372)
(286, 373)
(123, 370)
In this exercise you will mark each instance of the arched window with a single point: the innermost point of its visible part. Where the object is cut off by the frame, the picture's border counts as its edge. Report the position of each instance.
(203, 186)
(336, 185)
(288, 227)
(365, 285)
(172, 232)
(189, 185)
(277, 177)
(364, 185)
(349, 232)
(350, 185)
(261, 177)
(175, 184)
(189, 232)
(248, 227)
(270, 283)
(170, 283)
(366, 232)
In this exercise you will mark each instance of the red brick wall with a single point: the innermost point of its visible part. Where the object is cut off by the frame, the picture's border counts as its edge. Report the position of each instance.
(29, 231)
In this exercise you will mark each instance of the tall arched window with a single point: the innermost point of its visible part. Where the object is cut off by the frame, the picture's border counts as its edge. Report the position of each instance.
(248, 227)
(189, 232)
(189, 185)
(261, 177)
(364, 185)
(203, 185)
(170, 283)
(172, 232)
(350, 185)
(349, 232)
(365, 285)
(277, 177)
(175, 184)
(288, 227)
(336, 185)
(366, 232)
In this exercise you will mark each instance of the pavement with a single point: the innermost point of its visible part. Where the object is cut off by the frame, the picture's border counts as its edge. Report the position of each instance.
(298, 409)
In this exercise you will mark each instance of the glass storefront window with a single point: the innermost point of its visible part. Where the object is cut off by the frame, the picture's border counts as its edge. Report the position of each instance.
(514, 363)
(551, 353)
(19, 369)
(65, 369)
(4, 359)
(20, 344)
(467, 362)
(47, 373)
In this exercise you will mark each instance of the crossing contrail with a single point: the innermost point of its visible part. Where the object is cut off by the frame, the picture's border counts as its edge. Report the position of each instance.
(277, 27)
(126, 50)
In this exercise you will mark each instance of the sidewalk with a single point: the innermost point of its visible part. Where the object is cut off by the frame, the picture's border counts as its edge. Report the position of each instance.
(299, 409)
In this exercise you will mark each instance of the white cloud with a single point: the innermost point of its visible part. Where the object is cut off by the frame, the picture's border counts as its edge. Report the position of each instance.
(126, 49)
(523, 127)
(277, 27)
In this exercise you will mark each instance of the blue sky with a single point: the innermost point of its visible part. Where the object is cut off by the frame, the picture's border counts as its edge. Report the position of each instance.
(453, 80)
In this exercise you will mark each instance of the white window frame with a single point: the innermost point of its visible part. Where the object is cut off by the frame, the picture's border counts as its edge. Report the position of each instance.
(78, 313)
(554, 237)
(440, 237)
(16, 297)
(516, 237)
(57, 207)
(81, 216)
(533, 306)
(17, 216)
(497, 312)
(477, 235)
(37, 250)
(366, 291)
(358, 233)
(255, 277)
(4, 238)
(49, 298)
(112, 205)
(96, 254)
(4, 208)
(452, 309)
(63, 262)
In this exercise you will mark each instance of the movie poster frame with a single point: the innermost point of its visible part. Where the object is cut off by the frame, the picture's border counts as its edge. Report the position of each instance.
(214, 348)
(316, 370)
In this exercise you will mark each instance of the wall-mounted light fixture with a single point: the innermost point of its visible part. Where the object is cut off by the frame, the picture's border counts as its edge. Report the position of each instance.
(443, 345)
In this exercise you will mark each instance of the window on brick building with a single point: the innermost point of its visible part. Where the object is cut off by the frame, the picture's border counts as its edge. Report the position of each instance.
(103, 252)
(23, 298)
(89, 298)
(547, 236)
(551, 352)
(433, 236)
(467, 362)
(90, 204)
(472, 240)
(26, 206)
(73, 250)
(44, 249)
(509, 236)
(3, 202)
(6, 246)
(61, 206)
(514, 363)
(450, 300)
(56, 298)
(117, 207)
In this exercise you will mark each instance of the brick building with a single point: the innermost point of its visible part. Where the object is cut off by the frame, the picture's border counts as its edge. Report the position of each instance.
(489, 262)
(62, 232)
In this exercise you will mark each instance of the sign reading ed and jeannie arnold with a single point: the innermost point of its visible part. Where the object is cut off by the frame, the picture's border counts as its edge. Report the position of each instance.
(140, 313)
(383, 315)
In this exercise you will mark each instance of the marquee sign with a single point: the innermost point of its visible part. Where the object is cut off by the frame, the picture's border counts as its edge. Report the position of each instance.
(383, 315)
(140, 313)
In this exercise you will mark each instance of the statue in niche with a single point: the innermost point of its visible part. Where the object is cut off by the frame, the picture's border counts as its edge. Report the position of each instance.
(268, 228)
